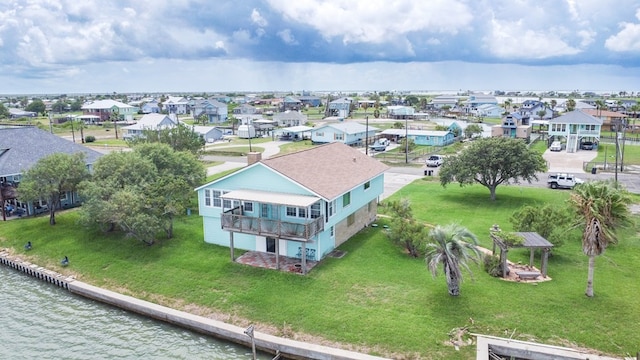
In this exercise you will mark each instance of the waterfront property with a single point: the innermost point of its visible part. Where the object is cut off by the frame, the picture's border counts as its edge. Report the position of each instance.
(20, 149)
(574, 128)
(301, 205)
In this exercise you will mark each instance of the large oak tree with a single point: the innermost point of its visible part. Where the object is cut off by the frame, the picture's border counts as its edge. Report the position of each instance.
(52, 177)
(140, 192)
(492, 162)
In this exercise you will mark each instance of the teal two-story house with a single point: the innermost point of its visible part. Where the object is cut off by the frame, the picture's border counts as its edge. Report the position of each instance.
(575, 127)
(303, 204)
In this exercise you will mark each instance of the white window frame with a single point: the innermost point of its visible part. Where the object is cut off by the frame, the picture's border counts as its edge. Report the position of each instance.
(207, 198)
(347, 194)
(316, 210)
(291, 211)
(216, 199)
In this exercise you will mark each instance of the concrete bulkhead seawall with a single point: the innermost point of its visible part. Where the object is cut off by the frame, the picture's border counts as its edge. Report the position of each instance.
(289, 349)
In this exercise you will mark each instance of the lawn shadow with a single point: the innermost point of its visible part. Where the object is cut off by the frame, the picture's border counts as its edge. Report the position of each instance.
(477, 199)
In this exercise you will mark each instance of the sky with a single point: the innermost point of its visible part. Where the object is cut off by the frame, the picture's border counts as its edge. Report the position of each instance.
(105, 46)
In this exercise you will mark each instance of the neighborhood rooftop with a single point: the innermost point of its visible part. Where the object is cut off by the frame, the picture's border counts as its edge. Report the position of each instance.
(577, 117)
(22, 147)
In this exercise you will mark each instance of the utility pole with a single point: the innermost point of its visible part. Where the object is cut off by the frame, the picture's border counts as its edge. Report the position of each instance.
(406, 141)
(366, 138)
(624, 130)
(617, 152)
(73, 134)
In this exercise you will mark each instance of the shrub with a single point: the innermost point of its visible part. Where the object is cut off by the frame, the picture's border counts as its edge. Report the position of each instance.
(89, 138)
(492, 265)
(549, 221)
(511, 239)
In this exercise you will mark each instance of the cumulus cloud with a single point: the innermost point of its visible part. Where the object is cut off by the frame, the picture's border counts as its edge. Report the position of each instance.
(376, 21)
(627, 39)
(287, 37)
(516, 40)
(45, 37)
(258, 19)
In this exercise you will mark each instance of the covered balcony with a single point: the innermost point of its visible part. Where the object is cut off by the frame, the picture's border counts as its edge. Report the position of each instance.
(304, 229)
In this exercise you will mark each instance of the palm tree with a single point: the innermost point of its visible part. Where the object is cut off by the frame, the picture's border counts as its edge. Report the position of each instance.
(601, 207)
(452, 246)
(507, 106)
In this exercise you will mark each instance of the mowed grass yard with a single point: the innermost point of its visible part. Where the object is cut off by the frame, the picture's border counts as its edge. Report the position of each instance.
(375, 299)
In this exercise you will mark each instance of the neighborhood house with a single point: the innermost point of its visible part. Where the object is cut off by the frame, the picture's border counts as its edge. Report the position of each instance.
(20, 149)
(575, 128)
(300, 205)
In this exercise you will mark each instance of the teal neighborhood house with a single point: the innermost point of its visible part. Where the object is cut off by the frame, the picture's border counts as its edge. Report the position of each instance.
(421, 137)
(303, 204)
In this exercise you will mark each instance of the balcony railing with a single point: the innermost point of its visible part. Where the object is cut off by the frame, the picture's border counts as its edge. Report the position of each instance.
(271, 227)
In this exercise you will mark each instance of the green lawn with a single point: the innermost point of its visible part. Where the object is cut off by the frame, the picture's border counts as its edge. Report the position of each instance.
(375, 298)
(631, 153)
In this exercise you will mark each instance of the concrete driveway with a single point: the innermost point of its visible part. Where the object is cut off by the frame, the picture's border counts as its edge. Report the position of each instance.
(564, 162)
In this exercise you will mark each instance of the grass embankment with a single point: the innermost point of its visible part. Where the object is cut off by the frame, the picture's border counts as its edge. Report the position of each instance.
(375, 298)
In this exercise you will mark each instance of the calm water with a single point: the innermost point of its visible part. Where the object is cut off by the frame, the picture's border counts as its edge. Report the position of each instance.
(41, 321)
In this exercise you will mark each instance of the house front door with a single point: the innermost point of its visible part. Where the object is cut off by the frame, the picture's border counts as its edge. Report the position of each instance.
(271, 245)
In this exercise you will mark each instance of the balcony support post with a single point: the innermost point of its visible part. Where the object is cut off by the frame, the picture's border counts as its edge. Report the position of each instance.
(233, 256)
(277, 253)
(303, 255)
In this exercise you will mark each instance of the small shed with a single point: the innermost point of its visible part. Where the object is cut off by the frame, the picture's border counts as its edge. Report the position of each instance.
(532, 241)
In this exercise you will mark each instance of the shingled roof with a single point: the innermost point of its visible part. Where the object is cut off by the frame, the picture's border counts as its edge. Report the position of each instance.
(22, 147)
(576, 117)
(328, 170)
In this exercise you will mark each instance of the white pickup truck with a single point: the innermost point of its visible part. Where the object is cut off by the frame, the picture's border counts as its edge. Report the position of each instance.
(563, 181)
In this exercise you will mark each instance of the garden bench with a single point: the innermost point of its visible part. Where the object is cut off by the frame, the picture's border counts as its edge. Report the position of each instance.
(528, 275)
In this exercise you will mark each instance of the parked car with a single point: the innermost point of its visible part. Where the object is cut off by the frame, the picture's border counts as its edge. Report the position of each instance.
(377, 146)
(555, 146)
(563, 181)
(434, 161)
(587, 145)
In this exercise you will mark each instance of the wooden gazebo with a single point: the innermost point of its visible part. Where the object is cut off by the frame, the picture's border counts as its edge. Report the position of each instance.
(532, 241)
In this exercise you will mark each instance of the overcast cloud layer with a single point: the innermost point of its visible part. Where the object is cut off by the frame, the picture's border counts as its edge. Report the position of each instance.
(255, 45)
